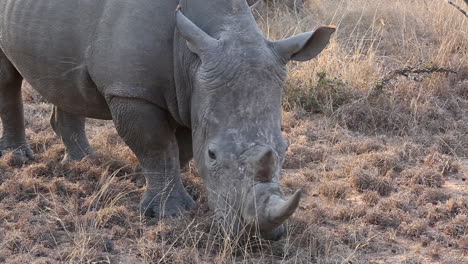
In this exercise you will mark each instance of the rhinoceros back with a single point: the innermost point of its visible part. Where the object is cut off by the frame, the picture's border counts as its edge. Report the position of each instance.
(53, 44)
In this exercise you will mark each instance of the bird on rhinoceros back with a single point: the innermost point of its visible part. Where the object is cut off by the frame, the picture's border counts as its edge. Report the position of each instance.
(201, 83)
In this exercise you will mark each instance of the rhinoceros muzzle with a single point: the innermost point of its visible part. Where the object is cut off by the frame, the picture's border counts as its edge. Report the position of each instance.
(264, 208)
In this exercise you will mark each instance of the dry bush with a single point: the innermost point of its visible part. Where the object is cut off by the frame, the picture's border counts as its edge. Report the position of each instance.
(423, 176)
(444, 164)
(371, 198)
(433, 196)
(299, 155)
(325, 97)
(414, 229)
(383, 161)
(433, 250)
(349, 212)
(383, 219)
(457, 206)
(458, 227)
(363, 180)
(463, 243)
(444, 211)
(359, 236)
(410, 152)
(373, 37)
(334, 189)
(359, 146)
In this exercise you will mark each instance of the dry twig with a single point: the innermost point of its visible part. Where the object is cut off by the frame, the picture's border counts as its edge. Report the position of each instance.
(410, 73)
(458, 7)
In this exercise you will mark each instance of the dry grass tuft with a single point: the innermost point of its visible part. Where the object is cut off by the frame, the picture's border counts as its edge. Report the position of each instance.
(359, 147)
(423, 176)
(415, 228)
(383, 219)
(458, 226)
(433, 196)
(363, 180)
(348, 212)
(371, 198)
(334, 189)
(444, 164)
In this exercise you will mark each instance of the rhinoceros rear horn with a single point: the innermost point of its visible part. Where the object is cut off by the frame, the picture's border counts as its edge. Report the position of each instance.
(198, 41)
(264, 164)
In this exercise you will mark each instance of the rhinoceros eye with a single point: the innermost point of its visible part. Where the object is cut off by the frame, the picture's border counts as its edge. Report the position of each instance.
(211, 154)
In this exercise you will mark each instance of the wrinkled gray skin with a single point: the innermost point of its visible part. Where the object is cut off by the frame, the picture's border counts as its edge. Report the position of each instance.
(202, 80)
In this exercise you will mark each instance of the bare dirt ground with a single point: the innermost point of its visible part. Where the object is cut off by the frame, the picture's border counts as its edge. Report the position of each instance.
(384, 168)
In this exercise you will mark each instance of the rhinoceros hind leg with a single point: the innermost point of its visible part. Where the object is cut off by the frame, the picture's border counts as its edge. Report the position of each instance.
(71, 129)
(147, 131)
(11, 112)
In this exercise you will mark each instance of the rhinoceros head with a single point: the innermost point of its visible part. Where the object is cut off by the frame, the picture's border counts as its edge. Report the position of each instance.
(236, 116)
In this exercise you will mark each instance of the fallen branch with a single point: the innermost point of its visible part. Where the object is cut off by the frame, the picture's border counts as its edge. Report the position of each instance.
(459, 8)
(410, 73)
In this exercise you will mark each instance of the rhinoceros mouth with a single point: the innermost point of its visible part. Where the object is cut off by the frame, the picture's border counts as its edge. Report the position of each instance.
(262, 212)
(235, 227)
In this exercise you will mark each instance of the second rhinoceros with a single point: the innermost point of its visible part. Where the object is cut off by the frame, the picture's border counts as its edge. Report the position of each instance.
(199, 82)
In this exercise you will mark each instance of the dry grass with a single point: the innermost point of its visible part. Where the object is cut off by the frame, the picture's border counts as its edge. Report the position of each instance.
(384, 174)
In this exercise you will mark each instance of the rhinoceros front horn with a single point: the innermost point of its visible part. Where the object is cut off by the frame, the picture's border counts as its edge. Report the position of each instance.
(277, 210)
(269, 211)
(280, 210)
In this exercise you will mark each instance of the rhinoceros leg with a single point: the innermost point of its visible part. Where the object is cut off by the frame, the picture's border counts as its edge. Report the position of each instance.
(146, 129)
(184, 141)
(71, 129)
(11, 111)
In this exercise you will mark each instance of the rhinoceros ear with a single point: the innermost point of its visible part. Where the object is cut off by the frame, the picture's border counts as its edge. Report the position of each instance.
(197, 40)
(305, 46)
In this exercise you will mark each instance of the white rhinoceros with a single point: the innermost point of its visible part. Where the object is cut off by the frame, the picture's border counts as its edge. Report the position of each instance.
(199, 82)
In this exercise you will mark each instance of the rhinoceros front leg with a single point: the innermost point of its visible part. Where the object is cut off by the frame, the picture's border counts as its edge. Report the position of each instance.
(147, 131)
(71, 129)
(184, 142)
(11, 111)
